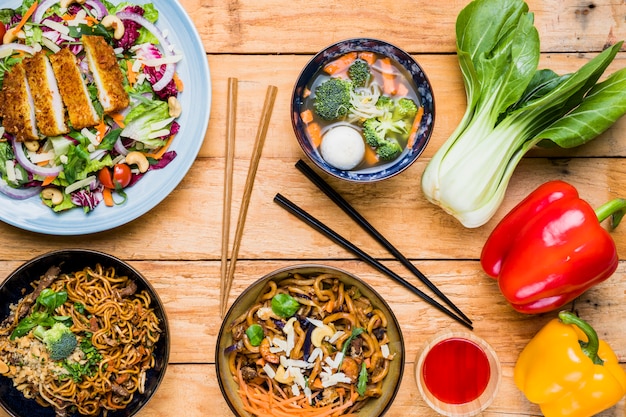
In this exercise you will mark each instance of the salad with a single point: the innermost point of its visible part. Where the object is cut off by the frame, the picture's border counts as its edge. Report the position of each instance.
(89, 92)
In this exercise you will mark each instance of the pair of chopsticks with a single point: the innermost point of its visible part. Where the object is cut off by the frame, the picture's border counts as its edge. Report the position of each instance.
(228, 269)
(454, 313)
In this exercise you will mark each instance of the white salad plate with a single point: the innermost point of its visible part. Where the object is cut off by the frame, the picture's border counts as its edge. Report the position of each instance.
(31, 214)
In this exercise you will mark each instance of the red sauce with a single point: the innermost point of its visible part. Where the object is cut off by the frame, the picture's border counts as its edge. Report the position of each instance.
(456, 371)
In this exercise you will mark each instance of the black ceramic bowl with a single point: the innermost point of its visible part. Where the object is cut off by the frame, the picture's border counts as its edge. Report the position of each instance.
(420, 83)
(375, 407)
(71, 260)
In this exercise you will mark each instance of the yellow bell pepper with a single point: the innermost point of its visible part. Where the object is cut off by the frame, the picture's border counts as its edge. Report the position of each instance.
(568, 371)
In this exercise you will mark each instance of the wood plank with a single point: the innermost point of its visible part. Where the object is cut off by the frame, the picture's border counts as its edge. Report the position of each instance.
(190, 293)
(414, 25)
(256, 71)
(187, 224)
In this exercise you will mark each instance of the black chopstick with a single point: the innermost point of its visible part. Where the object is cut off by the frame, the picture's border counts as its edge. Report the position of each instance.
(365, 225)
(334, 236)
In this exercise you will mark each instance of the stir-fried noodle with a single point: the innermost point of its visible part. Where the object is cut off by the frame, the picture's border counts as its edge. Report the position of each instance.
(329, 357)
(116, 330)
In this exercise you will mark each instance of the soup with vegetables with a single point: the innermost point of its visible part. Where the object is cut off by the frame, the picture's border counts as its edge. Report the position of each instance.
(361, 96)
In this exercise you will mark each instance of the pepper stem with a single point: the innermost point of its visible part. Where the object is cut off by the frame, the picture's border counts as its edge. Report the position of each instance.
(589, 348)
(615, 209)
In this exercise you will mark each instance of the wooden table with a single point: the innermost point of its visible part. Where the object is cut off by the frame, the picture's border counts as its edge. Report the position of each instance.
(263, 42)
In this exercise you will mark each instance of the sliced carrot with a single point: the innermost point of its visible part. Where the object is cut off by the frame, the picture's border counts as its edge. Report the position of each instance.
(307, 116)
(91, 21)
(107, 196)
(340, 64)
(67, 17)
(43, 163)
(101, 130)
(402, 90)
(415, 126)
(389, 77)
(179, 83)
(306, 93)
(315, 133)
(26, 16)
(368, 57)
(119, 119)
(48, 180)
(371, 158)
(130, 74)
(159, 154)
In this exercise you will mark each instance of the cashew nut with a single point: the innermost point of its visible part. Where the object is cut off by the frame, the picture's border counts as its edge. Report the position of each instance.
(66, 3)
(32, 145)
(319, 333)
(283, 376)
(139, 159)
(112, 21)
(4, 368)
(174, 106)
(53, 194)
(11, 36)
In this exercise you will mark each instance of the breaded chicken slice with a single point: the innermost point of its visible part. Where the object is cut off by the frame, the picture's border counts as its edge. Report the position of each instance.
(73, 90)
(16, 105)
(49, 110)
(106, 73)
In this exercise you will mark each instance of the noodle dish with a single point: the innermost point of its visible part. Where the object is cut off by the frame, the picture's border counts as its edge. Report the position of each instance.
(309, 341)
(82, 335)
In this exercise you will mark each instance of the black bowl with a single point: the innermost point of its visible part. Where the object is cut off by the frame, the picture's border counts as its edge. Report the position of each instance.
(71, 260)
(422, 86)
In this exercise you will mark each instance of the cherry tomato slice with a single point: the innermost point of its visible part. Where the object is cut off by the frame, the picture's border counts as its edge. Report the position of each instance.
(2, 32)
(119, 178)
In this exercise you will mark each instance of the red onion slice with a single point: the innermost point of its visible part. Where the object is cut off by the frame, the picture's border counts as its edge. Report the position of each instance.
(170, 69)
(18, 47)
(42, 8)
(35, 169)
(18, 193)
(98, 7)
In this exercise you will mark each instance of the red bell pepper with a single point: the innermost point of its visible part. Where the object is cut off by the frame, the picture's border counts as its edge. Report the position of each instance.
(551, 248)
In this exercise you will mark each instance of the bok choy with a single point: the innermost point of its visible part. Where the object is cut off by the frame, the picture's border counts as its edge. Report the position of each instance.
(511, 107)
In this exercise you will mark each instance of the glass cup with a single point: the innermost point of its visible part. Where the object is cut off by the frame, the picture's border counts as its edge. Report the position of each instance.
(457, 373)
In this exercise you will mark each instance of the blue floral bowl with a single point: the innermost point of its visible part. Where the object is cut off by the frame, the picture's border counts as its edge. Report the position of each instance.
(419, 81)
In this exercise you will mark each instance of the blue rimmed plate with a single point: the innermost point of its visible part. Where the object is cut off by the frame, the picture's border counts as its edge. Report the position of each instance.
(33, 215)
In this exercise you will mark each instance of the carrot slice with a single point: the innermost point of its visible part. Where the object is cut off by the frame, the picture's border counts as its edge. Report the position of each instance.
(26, 16)
(179, 83)
(415, 126)
(402, 90)
(119, 119)
(48, 180)
(340, 64)
(159, 154)
(315, 133)
(130, 74)
(389, 77)
(371, 158)
(368, 57)
(101, 130)
(107, 196)
(307, 116)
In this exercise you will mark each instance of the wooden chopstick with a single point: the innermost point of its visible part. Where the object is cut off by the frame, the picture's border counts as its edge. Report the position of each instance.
(231, 118)
(270, 98)
(337, 238)
(372, 231)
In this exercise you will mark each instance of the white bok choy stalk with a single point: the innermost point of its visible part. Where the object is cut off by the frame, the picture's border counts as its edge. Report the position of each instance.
(511, 107)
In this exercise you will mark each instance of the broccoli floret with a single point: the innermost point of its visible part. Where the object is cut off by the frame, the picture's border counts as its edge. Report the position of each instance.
(359, 73)
(59, 340)
(405, 109)
(385, 103)
(377, 129)
(388, 150)
(332, 98)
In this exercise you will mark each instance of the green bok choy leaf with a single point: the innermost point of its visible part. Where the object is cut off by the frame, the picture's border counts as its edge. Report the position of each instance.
(511, 107)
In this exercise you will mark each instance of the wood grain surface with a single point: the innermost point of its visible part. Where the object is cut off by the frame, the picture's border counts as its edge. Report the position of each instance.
(267, 42)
